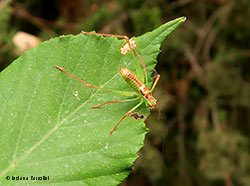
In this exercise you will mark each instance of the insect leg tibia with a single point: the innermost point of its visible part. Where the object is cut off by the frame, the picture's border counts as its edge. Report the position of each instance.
(115, 101)
(154, 74)
(128, 113)
(63, 70)
(155, 82)
(130, 43)
(107, 35)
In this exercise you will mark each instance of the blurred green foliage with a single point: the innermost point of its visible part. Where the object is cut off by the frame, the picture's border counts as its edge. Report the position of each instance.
(151, 15)
(200, 133)
(6, 35)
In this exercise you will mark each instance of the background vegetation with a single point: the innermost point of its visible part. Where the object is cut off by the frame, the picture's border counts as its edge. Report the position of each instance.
(200, 133)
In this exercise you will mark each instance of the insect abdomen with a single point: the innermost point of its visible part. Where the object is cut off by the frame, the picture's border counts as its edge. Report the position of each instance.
(129, 77)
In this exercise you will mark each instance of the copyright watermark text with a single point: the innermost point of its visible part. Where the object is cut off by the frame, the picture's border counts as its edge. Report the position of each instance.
(27, 178)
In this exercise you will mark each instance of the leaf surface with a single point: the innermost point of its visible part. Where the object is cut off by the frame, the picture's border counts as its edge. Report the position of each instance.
(47, 125)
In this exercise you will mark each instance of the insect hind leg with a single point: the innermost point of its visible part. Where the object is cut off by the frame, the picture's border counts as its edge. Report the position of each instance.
(129, 112)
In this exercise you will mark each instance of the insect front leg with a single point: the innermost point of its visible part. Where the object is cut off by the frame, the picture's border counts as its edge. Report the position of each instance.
(145, 79)
(108, 35)
(128, 45)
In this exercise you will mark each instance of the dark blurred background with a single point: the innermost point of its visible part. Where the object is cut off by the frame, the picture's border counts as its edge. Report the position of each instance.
(200, 133)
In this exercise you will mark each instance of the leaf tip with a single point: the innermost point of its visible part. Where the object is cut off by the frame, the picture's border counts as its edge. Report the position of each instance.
(180, 19)
(183, 19)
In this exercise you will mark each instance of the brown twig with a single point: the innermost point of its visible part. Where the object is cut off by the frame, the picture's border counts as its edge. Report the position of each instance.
(205, 30)
(193, 61)
(227, 179)
(207, 46)
(215, 119)
(40, 23)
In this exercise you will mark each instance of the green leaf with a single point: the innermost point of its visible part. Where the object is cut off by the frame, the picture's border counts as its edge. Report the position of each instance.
(47, 125)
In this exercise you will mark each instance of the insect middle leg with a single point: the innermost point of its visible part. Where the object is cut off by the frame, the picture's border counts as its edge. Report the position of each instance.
(115, 101)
